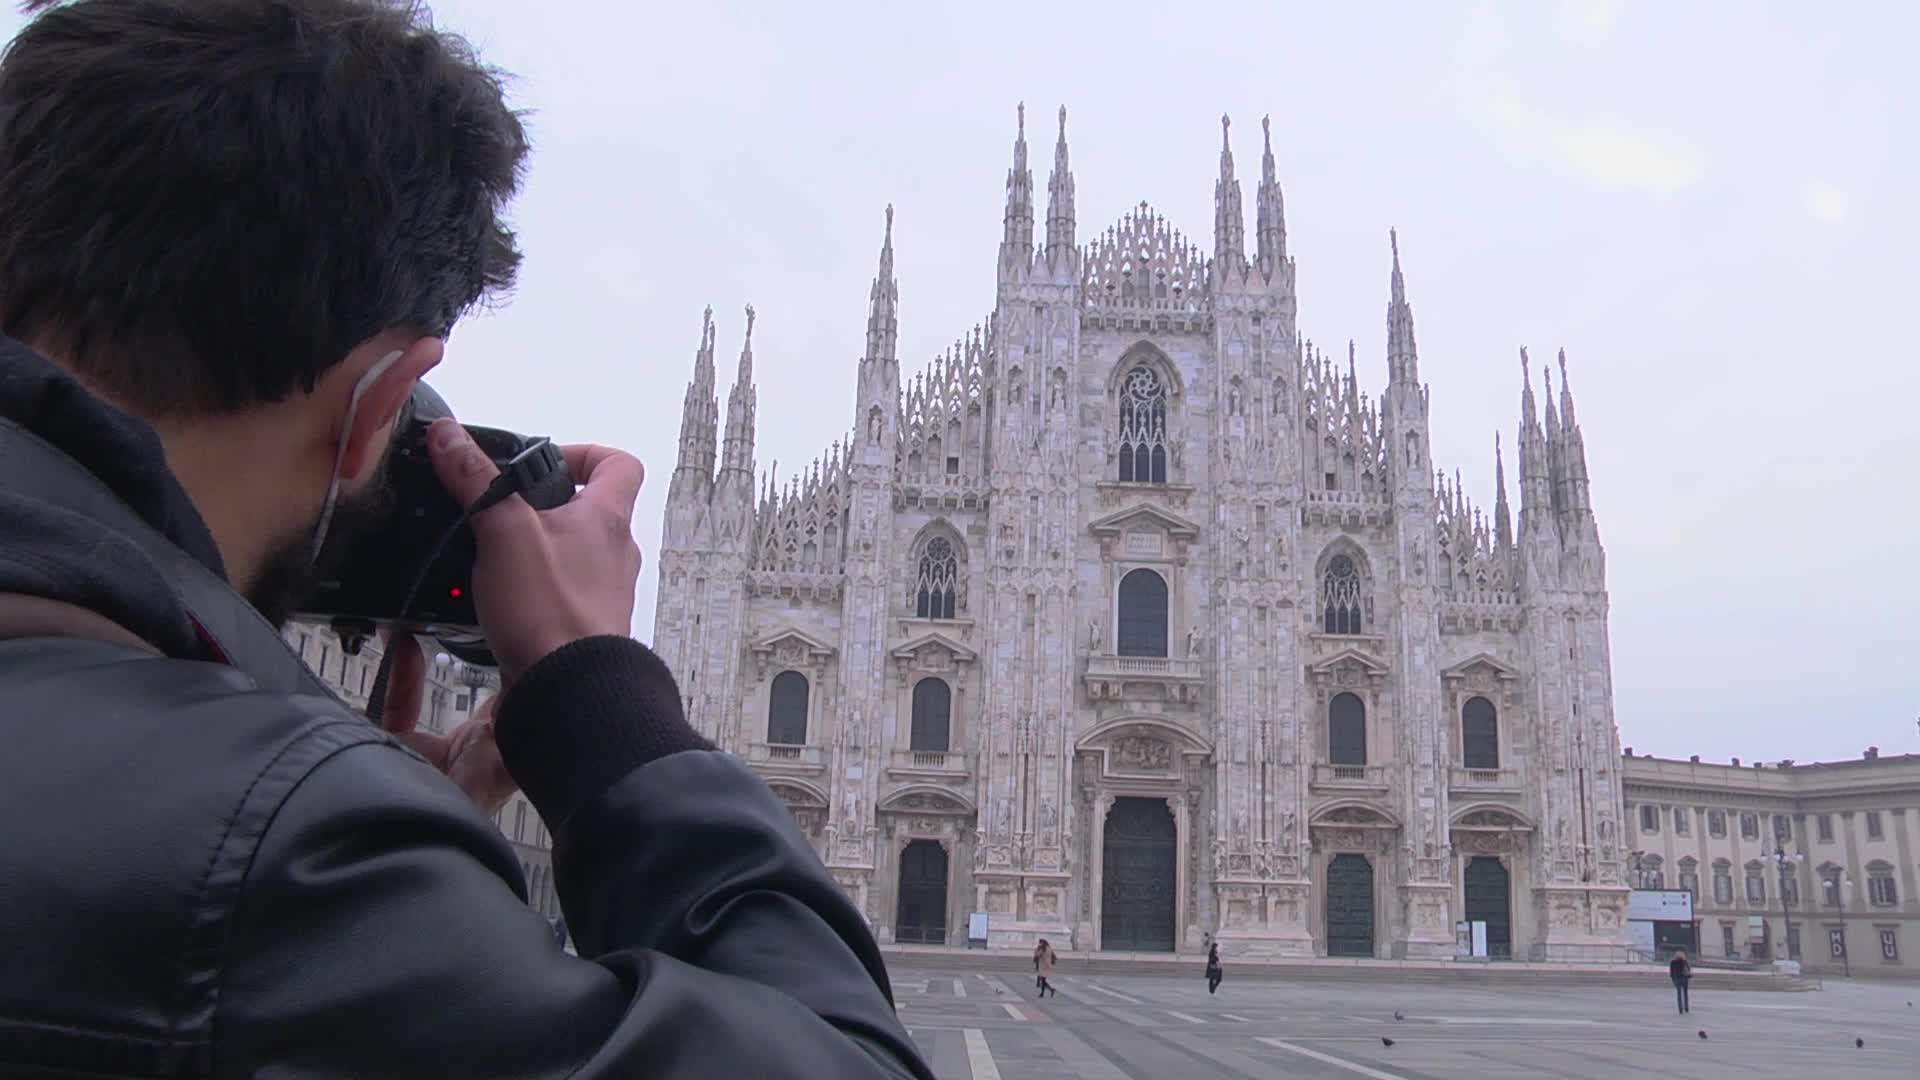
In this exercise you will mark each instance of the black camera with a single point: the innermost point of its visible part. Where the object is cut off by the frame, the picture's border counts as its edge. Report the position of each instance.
(414, 572)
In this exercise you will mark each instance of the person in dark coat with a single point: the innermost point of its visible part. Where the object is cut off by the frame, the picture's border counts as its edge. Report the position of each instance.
(1214, 972)
(234, 237)
(1681, 970)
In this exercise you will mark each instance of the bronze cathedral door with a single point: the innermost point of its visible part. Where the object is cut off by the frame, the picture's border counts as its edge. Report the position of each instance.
(1138, 867)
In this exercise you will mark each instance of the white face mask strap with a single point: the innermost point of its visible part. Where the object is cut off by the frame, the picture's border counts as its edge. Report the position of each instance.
(379, 368)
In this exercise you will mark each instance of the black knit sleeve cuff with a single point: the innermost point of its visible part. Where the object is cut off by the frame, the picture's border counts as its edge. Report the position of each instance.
(587, 715)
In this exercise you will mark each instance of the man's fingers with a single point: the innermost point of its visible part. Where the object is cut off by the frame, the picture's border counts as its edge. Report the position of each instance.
(465, 471)
(607, 476)
(406, 683)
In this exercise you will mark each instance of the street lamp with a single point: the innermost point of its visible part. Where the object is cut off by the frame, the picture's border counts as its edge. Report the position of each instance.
(1842, 891)
(1785, 863)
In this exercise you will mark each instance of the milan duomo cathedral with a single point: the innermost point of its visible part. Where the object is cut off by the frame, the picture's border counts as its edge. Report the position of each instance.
(1131, 618)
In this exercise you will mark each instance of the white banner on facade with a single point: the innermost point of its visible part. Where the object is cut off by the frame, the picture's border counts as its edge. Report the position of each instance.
(1660, 905)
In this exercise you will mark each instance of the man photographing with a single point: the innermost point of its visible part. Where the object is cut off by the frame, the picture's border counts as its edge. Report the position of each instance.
(234, 235)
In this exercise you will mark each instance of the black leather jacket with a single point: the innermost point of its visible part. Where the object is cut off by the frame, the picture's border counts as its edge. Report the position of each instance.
(210, 867)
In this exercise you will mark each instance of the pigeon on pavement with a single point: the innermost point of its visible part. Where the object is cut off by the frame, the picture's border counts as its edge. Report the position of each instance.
(1858, 1043)
(1397, 1016)
(1703, 1034)
(1384, 1041)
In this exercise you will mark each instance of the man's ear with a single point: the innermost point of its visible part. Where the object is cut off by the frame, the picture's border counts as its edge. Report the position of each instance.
(372, 422)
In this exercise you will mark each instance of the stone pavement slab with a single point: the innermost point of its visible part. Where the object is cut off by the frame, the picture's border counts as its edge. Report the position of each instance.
(990, 1026)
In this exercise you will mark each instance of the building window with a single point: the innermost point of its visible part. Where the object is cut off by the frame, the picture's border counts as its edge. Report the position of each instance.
(1340, 597)
(1143, 614)
(1480, 734)
(1143, 428)
(937, 590)
(1790, 886)
(1346, 730)
(1793, 943)
(1681, 823)
(1756, 885)
(1749, 826)
(1649, 818)
(1824, 823)
(1830, 885)
(1782, 828)
(1726, 941)
(787, 709)
(1690, 879)
(1880, 888)
(1889, 944)
(520, 823)
(1723, 883)
(1653, 874)
(1717, 824)
(1873, 825)
(932, 711)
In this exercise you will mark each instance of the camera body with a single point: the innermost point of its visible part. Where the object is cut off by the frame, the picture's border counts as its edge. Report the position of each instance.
(415, 571)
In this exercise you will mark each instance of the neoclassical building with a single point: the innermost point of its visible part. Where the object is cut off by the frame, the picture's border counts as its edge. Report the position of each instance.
(1131, 617)
(1823, 857)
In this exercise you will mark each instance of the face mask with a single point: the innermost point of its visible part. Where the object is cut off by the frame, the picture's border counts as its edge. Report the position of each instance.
(360, 388)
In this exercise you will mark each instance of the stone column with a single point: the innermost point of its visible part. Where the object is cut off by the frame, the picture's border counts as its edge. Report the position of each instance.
(1096, 881)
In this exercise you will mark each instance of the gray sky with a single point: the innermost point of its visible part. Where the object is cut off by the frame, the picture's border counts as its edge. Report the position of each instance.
(1710, 206)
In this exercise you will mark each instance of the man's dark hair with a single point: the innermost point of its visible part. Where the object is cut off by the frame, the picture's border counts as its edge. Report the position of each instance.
(206, 204)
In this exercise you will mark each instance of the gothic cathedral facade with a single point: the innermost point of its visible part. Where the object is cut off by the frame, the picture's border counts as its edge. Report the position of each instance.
(1132, 619)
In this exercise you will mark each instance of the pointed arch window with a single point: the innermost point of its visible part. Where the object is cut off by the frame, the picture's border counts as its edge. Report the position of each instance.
(1346, 730)
(1340, 596)
(1143, 614)
(1479, 734)
(1143, 428)
(936, 590)
(932, 716)
(787, 709)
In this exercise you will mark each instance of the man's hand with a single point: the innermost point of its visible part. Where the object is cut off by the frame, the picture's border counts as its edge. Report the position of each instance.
(546, 578)
(468, 756)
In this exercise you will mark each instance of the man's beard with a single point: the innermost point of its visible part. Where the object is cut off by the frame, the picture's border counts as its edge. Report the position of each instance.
(291, 573)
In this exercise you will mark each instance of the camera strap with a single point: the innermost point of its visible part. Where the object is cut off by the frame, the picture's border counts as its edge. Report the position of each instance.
(232, 627)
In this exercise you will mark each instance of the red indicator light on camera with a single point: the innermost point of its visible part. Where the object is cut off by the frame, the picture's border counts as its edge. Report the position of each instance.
(455, 593)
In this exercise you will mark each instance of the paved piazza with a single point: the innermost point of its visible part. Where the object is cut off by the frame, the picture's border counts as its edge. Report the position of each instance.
(988, 1026)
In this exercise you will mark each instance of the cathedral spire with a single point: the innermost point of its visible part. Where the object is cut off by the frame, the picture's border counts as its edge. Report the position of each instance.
(1229, 228)
(1573, 450)
(1271, 214)
(1403, 364)
(737, 456)
(1060, 197)
(1502, 516)
(1536, 482)
(882, 318)
(699, 415)
(1017, 244)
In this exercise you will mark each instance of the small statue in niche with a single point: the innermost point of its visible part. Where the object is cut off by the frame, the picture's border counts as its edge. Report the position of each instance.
(1093, 635)
(1193, 642)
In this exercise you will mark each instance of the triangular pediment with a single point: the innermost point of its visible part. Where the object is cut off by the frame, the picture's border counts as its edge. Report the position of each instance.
(1479, 662)
(1145, 515)
(912, 647)
(793, 638)
(1345, 658)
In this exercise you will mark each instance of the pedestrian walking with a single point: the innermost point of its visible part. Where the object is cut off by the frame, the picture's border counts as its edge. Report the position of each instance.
(1682, 971)
(1043, 958)
(1214, 973)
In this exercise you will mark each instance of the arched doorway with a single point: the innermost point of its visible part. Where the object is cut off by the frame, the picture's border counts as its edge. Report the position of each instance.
(1487, 901)
(1139, 883)
(922, 915)
(1349, 906)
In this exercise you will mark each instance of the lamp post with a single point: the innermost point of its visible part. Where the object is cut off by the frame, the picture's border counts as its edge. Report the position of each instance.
(1784, 861)
(1842, 890)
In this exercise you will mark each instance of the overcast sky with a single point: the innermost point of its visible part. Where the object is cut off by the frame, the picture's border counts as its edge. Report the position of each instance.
(1711, 206)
